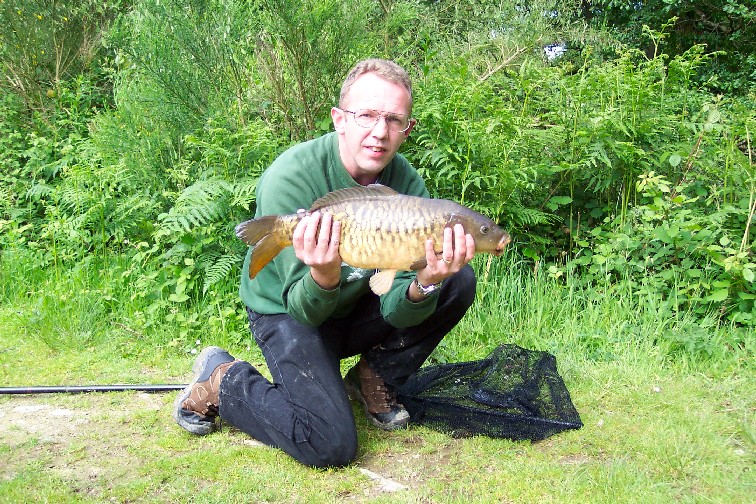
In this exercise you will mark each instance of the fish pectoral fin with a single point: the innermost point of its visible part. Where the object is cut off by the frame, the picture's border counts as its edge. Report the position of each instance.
(419, 264)
(380, 283)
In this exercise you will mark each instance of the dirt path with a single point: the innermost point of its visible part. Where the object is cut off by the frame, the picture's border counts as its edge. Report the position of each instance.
(79, 438)
(92, 440)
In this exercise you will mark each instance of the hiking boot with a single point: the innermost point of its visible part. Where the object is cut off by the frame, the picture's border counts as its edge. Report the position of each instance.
(364, 385)
(196, 407)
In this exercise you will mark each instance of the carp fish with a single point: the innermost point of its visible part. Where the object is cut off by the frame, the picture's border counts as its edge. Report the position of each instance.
(380, 229)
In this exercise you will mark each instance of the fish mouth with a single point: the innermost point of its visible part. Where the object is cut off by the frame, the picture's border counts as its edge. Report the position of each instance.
(505, 239)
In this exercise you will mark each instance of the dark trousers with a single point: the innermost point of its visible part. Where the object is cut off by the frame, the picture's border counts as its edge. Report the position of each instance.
(305, 411)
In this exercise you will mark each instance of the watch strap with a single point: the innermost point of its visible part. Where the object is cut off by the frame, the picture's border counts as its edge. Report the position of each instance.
(427, 290)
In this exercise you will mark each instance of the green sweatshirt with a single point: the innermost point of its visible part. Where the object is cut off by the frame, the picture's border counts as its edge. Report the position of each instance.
(294, 181)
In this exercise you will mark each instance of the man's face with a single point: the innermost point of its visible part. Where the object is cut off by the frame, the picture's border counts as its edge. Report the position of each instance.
(365, 152)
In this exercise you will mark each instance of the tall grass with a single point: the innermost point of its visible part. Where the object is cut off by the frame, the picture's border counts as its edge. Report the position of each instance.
(98, 303)
(93, 323)
(531, 308)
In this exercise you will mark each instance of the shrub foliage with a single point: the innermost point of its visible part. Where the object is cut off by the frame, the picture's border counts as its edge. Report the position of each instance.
(138, 130)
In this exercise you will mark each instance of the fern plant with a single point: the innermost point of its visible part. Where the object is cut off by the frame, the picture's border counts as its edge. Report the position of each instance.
(219, 267)
(198, 205)
(194, 238)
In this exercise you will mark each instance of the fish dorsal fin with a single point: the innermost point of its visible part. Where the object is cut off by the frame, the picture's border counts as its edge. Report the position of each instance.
(351, 193)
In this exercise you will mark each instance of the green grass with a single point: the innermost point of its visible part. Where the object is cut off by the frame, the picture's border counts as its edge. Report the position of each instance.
(668, 406)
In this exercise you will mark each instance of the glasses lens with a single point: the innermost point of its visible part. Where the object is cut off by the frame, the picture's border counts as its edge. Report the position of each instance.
(368, 118)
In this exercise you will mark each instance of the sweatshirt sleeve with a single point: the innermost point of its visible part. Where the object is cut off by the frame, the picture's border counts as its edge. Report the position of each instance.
(399, 311)
(302, 297)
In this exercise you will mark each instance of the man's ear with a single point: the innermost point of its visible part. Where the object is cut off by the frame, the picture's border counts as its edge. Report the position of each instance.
(411, 125)
(339, 120)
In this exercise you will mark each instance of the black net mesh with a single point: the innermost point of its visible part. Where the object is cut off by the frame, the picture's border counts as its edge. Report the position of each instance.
(513, 393)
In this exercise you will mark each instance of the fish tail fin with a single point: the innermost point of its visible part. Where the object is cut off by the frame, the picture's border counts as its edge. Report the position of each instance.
(254, 230)
(266, 249)
(267, 238)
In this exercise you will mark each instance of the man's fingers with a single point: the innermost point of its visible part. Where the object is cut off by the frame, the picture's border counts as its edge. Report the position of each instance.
(335, 235)
(464, 246)
(460, 245)
(298, 237)
(324, 236)
(311, 229)
(430, 254)
(447, 251)
(469, 247)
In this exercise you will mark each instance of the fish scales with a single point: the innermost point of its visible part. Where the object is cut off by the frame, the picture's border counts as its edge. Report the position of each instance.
(374, 234)
(380, 229)
(385, 233)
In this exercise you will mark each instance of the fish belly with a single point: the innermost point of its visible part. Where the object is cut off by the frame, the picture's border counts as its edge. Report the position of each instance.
(385, 236)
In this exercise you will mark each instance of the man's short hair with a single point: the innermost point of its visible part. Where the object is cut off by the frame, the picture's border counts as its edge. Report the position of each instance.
(384, 69)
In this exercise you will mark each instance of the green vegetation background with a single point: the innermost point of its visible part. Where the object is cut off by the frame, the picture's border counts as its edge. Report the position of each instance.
(615, 145)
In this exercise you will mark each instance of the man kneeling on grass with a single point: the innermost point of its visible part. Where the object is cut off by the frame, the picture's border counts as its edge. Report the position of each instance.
(307, 310)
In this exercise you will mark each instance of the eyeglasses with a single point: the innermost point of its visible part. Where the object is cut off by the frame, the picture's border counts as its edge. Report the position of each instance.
(368, 118)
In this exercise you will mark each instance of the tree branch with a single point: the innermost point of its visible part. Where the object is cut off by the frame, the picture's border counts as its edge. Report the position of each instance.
(504, 63)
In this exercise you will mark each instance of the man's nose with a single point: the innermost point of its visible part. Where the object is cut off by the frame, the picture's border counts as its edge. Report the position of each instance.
(380, 128)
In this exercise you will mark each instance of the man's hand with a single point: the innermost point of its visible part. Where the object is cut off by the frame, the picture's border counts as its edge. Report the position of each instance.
(316, 243)
(458, 250)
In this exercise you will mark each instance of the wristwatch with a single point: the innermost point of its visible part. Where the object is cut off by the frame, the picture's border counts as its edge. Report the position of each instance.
(427, 290)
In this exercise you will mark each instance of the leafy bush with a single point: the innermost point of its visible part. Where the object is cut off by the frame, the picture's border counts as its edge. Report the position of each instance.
(476, 143)
(192, 252)
(622, 171)
(673, 246)
(726, 28)
(303, 49)
(45, 43)
(617, 173)
(36, 159)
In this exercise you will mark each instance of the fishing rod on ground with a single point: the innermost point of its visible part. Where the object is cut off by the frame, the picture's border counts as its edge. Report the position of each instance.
(80, 389)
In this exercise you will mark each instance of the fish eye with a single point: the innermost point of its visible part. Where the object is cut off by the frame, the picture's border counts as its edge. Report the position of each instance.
(484, 229)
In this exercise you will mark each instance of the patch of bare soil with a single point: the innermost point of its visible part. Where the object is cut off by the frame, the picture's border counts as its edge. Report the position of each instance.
(87, 441)
(411, 463)
(78, 438)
